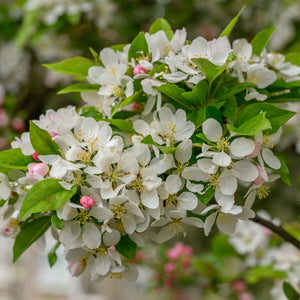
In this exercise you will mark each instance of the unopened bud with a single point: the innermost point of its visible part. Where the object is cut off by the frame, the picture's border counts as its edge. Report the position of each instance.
(10, 228)
(87, 202)
(139, 70)
(76, 268)
(35, 156)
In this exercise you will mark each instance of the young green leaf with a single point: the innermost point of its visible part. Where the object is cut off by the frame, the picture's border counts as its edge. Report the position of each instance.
(175, 93)
(290, 292)
(230, 108)
(293, 58)
(52, 257)
(15, 159)
(210, 70)
(230, 26)
(29, 233)
(261, 40)
(162, 24)
(75, 66)
(256, 274)
(79, 87)
(198, 95)
(138, 47)
(284, 172)
(45, 195)
(125, 126)
(252, 126)
(213, 112)
(207, 196)
(42, 141)
(126, 247)
(277, 116)
(56, 221)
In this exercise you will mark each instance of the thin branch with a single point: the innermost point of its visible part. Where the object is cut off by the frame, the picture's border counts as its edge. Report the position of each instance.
(278, 230)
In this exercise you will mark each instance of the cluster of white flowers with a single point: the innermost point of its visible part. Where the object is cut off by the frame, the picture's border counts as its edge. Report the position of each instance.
(176, 57)
(152, 182)
(98, 10)
(253, 240)
(15, 70)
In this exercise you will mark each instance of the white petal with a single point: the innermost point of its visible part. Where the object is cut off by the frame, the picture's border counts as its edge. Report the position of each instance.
(209, 222)
(225, 201)
(194, 173)
(193, 221)
(207, 166)
(173, 184)
(91, 236)
(226, 223)
(183, 152)
(246, 170)
(241, 147)
(221, 159)
(103, 264)
(129, 224)
(165, 234)
(188, 200)
(271, 159)
(228, 184)
(212, 129)
(111, 238)
(150, 199)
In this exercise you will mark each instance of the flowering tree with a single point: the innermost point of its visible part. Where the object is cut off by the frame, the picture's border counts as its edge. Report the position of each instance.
(171, 130)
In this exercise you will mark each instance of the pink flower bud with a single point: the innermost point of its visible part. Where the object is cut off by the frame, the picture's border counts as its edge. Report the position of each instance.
(18, 124)
(169, 267)
(186, 262)
(76, 268)
(35, 156)
(239, 285)
(139, 70)
(87, 202)
(53, 134)
(262, 176)
(10, 229)
(37, 168)
(256, 150)
(246, 296)
(4, 118)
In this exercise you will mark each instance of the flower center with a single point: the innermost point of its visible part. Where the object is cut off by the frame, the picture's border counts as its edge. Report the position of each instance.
(263, 192)
(222, 144)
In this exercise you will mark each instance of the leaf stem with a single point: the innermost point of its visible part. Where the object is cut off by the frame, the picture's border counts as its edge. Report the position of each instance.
(278, 229)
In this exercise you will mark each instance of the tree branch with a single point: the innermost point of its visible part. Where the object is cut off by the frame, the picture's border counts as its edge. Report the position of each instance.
(278, 230)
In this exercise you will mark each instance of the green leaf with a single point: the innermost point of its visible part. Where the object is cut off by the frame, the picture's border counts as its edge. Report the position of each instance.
(234, 89)
(230, 26)
(274, 114)
(95, 55)
(261, 40)
(162, 24)
(41, 141)
(138, 47)
(198, 95)
(2, 202)
(284, 172)
(213, 112)
(205, 268)
(126, 247)
(148, 140)
(45, 195)
(91, 111)
(293, 58)
(256, 274)
(252, 126)
(158, 69)
(56, 221)
(290, 292)
(198, 116)
(207, 196)
(52, 257)
(123, 125)
(175, 93)
(210, 70)
(118, 47)
(75, 66)
(28, 27)
(137, 96)
(79, 87)
(29, 233)
(15, 159)
(221, 247)
(230, 108)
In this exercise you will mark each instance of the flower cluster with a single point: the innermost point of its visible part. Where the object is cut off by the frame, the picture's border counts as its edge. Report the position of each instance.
(169, 129)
